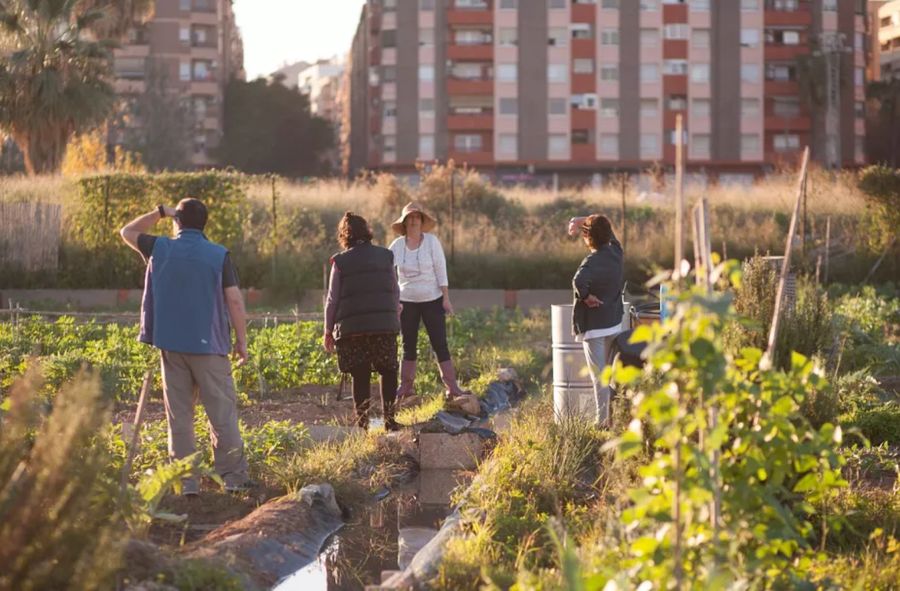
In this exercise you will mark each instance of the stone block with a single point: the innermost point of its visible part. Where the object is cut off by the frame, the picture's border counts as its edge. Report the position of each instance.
(443, 451)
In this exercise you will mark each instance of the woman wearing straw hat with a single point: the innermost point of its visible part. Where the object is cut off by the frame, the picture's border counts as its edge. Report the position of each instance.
(424, 295)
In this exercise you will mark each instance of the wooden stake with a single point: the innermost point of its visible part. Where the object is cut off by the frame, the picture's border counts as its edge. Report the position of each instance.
(768, 357)
(827, 249)
(136, 433)
(679, 195)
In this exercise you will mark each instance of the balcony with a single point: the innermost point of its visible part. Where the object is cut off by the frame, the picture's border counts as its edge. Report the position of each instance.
(802, 17)
(584, 118)
(483, 121)
(470, 86)
(782, 87)
(480, 158)
(675, 13)
(480, 52)
(796, 123)
(584, 153)
(784, 53)
(675, 84)
(477, 14)
(583, 48)
(584, 83)
(584, 13)
(675, 49)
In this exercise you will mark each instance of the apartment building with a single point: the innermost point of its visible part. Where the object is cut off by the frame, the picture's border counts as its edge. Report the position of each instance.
(887, 53)
(587, 87)
(192, 48)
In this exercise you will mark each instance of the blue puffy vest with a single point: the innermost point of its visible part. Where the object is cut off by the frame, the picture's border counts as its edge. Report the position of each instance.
(183, 308)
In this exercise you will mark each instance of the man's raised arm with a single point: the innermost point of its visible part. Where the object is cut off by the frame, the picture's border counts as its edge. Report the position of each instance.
(141, 225)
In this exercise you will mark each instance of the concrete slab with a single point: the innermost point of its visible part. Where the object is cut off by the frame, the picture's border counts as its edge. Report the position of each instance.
(484, 299)
(435, 486)
(443, 451)
(529, 299)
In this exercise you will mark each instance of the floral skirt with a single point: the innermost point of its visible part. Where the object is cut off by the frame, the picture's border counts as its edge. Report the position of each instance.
(378, 352)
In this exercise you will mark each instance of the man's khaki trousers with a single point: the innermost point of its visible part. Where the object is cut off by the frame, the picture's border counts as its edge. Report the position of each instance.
(211, 376)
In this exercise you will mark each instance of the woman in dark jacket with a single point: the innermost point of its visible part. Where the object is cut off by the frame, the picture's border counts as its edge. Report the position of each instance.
(598, 309)
(362, 316)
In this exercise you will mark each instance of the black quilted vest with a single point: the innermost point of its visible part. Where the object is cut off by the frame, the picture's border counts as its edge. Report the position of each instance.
(366, 302)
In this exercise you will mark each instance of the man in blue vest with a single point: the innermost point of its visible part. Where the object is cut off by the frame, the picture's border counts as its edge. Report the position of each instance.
(190, 293)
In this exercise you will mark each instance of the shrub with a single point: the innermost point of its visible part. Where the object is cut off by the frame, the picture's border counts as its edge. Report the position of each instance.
(57, 513)
(881, 186)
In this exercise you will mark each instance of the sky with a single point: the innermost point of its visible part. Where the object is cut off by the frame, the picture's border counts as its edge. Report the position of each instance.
(277, 32)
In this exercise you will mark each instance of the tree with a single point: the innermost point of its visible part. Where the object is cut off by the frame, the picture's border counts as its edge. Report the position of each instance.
(53, 77)
(162, 134)
(269, 129)
(886, 93)
(87, 154)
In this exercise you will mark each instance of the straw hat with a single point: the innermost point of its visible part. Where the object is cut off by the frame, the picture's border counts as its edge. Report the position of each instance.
(412, 207)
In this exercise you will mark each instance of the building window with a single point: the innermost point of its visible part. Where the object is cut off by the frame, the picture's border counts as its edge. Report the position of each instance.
(676, 31)
(467, 142)
(389, 73)
(556, 4)
(750, 73)
(609, 4)
(609, 107)
(389, 148)
(783, 37)
(700, 73)
(389, 109)
(672, 137)
(749, 107)
(786, 142)
(649, 107)
(649, 145)
(859, 76)
(649, 73)
(509, 4)
(859, 145)
(389, 38)
(609, 72)
(558, 106)
(785, 5)
(749, 37)
(749, 5)
(649, 38)
(426, 107)
(507, 72)
(508, 145)
(786, 106)
(426, 74)
(859, 109)
(582, 136)
(557, 73)
(584, 101)
(426, 37)
(829, 5)
(749, 145)
(781, 72)
(609, 37)
(509, 106)
(609, 144)
(557, 36)
(184, 34)
(700, 143)
(203, 70)
(701, 107)
(677, 102)
(649, 5)
(583, 65)
(558, 145)
(508, 37)
(426, 147)
(185, 5)
(675, 67)
(699, 5)
(426, 5)
(700, 38)
(582, 31)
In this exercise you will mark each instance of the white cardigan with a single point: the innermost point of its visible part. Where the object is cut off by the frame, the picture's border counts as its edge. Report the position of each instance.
(422, 272)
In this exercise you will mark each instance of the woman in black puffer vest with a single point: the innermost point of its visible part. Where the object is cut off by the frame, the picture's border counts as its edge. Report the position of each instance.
(362, 316)
(598, 309)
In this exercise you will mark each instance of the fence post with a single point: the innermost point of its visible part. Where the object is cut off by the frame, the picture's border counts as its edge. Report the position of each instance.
(274, 229)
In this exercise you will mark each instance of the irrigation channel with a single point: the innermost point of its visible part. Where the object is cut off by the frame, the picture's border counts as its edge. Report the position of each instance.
(383, 538)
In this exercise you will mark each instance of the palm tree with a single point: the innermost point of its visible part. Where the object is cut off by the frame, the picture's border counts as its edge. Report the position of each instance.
(55, 71)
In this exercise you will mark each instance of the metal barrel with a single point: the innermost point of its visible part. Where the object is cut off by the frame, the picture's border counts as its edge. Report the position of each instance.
(573, 391)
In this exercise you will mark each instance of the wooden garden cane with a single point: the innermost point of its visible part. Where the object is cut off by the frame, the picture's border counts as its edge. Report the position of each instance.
(768, 357)
(135, 435)
(676, 276)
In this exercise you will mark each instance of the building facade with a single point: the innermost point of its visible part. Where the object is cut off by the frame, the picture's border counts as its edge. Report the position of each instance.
(581, 87)
(886, 62)
(191, 48)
